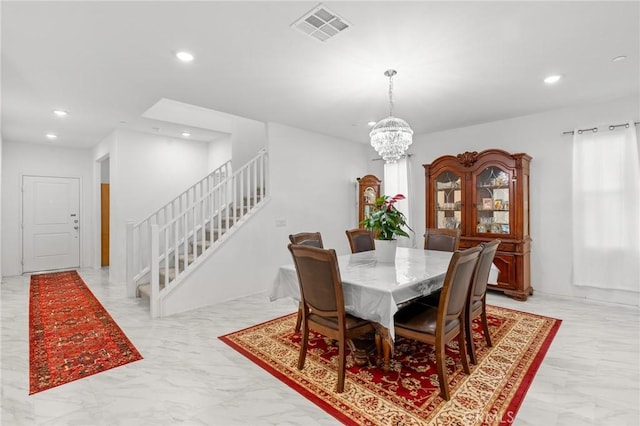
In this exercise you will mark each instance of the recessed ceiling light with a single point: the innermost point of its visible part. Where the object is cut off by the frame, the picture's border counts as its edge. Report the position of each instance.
(372, 123)
(619, 58)
(51, 136)
(552, 79)
(184, 56)
(60, 113)
(186, 134)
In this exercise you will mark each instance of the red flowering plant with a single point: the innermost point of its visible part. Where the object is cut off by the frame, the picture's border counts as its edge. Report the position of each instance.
(386, 221)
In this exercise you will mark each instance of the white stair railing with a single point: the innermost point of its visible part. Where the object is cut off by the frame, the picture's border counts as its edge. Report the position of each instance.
(188, 237)
(139, 234)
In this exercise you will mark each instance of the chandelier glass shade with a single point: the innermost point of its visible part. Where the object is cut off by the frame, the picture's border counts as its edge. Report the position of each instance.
(391, 136)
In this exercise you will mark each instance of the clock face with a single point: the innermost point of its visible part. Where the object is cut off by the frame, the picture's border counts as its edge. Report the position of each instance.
(369, 195)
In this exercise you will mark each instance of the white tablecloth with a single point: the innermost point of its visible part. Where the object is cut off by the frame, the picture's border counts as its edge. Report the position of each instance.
(373, 290)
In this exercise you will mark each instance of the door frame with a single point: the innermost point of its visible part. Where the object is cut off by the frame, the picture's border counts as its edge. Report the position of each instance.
(105, 211)
(21, 215)
(96, 230)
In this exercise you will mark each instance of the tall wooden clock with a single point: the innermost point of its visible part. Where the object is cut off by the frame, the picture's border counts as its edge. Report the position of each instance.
(368, 191)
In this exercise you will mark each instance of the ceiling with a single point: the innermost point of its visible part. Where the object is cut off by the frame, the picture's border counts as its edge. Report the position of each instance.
(458, 63)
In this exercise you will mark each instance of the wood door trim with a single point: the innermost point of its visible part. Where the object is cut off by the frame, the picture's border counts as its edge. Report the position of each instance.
(104, 224)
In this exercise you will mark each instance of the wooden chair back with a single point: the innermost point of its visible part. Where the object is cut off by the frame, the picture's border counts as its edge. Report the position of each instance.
(481, 275)
(455, 290)
(477, 299)
(319, 279)
(442, 239)
(360, 240)
(313, 239)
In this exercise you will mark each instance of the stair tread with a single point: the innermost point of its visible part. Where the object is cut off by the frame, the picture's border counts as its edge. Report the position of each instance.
(190, 257)
(172, 275)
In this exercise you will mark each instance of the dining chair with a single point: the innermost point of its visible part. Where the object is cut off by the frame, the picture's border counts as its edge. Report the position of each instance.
(476, 303)
(360, 240)
(307, 239)
(438, 326)
(442, 239)
(313, 239)
(323, 303)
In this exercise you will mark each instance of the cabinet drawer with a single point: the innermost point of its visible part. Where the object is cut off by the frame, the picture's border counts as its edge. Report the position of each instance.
(465, 244)
(507, 247)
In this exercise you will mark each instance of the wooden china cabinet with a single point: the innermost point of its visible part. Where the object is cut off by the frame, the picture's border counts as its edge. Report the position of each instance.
(485, 195)
(368, 191)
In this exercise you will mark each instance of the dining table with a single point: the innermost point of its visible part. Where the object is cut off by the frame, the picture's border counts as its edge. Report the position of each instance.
(374, 290)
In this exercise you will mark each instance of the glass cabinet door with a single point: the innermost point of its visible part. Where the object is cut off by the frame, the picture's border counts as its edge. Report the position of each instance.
(448, 201)
(492, 201)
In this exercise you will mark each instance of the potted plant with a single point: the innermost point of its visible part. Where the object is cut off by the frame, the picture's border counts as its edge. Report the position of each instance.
(387, 222)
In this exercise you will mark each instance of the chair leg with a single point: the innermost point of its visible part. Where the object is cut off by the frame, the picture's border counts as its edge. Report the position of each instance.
(303, 347)
(470, 345)
(442, 371)
(462, 346)
(299, 318)
(341, 364)
(485, 326)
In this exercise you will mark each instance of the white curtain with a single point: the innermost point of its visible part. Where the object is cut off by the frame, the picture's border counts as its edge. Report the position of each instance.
(606, 209)
(396, 181)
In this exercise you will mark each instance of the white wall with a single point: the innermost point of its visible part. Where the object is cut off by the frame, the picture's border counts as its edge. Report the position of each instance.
(313, 182)
(220, 151)
(43, 160)
(104, 170)
(146, 172)
(247, 138)
(312, 189)
(1, 201)
(541, 137)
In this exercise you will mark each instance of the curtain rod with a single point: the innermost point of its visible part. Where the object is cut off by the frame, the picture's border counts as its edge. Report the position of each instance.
(595, 129)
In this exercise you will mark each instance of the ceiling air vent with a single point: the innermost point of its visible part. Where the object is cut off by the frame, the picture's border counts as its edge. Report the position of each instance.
(320, 23)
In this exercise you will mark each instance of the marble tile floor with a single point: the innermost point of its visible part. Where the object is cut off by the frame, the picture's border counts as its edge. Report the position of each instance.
(590, 376)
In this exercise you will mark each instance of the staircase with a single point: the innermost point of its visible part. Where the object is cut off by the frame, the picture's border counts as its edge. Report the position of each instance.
(164, 248)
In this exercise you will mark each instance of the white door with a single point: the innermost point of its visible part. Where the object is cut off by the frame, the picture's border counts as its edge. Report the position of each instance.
(50, 223)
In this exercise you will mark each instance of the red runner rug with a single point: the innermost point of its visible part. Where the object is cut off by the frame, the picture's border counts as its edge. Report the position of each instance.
(408, 394)
(71, 335)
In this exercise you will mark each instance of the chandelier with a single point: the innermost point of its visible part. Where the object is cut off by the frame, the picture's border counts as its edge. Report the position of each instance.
(391, 136)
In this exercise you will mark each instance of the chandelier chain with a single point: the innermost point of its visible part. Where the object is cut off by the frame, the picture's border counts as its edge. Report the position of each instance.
(391, 95)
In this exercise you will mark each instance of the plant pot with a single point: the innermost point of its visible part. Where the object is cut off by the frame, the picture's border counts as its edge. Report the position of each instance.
(386, 250)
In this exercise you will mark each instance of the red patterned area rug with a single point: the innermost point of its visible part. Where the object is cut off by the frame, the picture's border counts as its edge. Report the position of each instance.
(71, 335)
(408, 394)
